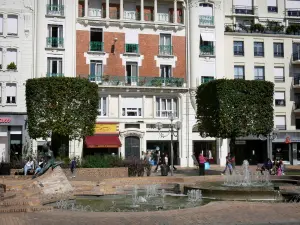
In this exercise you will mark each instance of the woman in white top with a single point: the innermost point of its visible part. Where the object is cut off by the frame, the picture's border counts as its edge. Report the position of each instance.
(28, 166)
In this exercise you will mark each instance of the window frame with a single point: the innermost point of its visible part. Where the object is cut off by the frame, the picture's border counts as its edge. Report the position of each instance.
(278, 54)
(256, 49)
(239, 76)
(138, 112)
(256, 68)
(236, 50)
(49, 65)
(280, 102)
(101, 111)
(11, 102)
(174, 107)
(7, 18)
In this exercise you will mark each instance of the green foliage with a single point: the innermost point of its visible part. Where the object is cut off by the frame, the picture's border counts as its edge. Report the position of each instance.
(257, 28)
(235, 108)
(293, 29)
(65, 106)
(11, 66)
(106, 161)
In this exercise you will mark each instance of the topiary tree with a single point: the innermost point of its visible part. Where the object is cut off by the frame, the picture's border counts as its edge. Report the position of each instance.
(65, 106)
(235, 108)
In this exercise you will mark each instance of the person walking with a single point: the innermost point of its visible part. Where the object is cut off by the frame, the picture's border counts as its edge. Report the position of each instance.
(158, 161)
(228, 164)
(202, 160)
(73, 167)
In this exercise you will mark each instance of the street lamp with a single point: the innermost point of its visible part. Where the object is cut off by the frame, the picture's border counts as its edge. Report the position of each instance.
(270, 137)
(174, 128)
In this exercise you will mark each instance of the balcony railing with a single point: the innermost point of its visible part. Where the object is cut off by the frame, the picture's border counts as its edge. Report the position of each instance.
(54, 42)
(281, 127)
(206, 20)
(131, 48)
(296, 56)
(293, 12)
(55, 10)
(131, 15)
(54, 74)
(273, 9)
(137, 81)
(207, 50)
(279, 79)
(206, 79)
(164, 17)
(96, 46)
(279, 102)
(94, 12)
(166, 50)
(246, 10)
(259, 77)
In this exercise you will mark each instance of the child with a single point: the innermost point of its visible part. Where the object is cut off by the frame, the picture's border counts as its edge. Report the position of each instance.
(73, 167)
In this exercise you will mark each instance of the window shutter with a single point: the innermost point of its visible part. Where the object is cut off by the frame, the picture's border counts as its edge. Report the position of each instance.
(279, 95)
(272, 3)
(92, 65)
(280, 120)
(11, 56)
(279, 71)
(11, 90)
(12, 24)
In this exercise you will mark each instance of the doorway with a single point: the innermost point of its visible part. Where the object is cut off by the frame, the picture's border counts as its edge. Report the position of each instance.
(132, 147)
(131, 72)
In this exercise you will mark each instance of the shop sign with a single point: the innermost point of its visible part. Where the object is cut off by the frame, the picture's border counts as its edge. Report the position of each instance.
(5, 120)
(106, 128)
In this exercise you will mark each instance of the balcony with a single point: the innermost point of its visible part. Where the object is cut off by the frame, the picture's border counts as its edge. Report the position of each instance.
(111, 80)
(96, 46)
(207, 50)
(164, 17)
(128, 15)
(132, 48)
(55, 10)
(293, 12)
(281, 127)
(94, 12)
(166, 50)
(206, 21)
(54, 42)
(54, 75)
(244, 10)
(206, 79)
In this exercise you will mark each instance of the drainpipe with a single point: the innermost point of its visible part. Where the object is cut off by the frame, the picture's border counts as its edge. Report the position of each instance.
(187, 43)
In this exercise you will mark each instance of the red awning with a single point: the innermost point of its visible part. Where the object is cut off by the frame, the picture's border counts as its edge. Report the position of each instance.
(103, 141)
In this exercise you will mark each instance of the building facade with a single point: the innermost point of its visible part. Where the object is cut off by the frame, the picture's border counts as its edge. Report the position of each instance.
(16, 66)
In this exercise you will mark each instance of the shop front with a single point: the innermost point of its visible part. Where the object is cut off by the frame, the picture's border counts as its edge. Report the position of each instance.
(105, 140)
(286, 147)
(12, 137)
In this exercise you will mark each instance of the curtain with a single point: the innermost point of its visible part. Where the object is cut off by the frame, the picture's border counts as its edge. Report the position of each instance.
(12, 24)
(11, 56)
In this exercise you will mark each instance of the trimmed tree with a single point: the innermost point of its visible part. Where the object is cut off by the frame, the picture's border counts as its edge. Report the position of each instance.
(65, 106)
(235, 108)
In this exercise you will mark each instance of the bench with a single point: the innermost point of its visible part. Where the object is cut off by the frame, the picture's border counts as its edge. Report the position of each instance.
(21, 172)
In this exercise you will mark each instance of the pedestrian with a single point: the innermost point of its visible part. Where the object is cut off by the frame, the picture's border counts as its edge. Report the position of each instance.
(202, 160)
(233, 161)
(73, 167)
(158, 161)
(228, 164)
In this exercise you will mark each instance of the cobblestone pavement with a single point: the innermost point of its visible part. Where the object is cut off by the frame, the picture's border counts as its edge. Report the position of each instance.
(224, 213)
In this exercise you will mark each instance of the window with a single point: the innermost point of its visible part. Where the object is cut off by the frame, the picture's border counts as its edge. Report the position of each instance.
(131, 42)
(259, 49)
(1, 58)
(54, 67)
(165, 44)
(165, 73)
(96, 40)
(238, 48)
(55, 7)
(55, 36)
(278, 50)
(272, 6)
(239, 72)
(0, 93)
(102, 110)
(166, 106)
(132, 107)
(280, 122)
(11, 56)
(259, 73)
(279, 74)
(96, 70)
(279, 97)
(11, 93)
(12, 25)
(206, 44)
(131, 73)
(1, 24)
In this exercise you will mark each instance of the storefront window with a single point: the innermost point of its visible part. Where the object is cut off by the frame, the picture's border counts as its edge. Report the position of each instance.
(281, 151)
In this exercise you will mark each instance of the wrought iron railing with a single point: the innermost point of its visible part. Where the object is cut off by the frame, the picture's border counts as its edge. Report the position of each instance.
(293, 12)
(248, 10)
(137, 81)
(166, 50)
(57, 10)
(207, 50)
(206, 20)
(206, 79)
(96, 46)
(131, 48)
(54, 42)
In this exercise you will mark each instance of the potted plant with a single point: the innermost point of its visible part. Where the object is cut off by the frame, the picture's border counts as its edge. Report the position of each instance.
(12, 66)
(293, 29)
(157, 82)
(228, 29)
(105, 79)
(274, 27)
(257, 28)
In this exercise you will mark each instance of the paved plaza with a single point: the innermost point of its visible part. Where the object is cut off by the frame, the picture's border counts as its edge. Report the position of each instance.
(225, 213)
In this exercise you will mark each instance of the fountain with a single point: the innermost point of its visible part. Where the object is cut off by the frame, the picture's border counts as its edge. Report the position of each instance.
(194, 195)
(246, 178)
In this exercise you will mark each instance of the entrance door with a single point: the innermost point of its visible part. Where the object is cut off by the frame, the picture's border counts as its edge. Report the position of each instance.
(132, 147)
